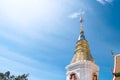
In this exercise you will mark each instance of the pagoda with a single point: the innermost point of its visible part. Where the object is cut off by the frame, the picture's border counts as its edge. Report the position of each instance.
(82, 66)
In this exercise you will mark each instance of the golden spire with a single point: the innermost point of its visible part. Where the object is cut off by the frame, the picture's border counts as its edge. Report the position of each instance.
(82, 51)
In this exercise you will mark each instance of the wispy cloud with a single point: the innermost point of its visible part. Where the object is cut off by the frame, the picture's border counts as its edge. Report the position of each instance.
(105, 1)
(20, 68)
(75, 14)
(18, 63)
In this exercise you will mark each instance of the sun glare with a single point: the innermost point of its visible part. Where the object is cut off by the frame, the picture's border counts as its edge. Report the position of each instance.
(24, 11)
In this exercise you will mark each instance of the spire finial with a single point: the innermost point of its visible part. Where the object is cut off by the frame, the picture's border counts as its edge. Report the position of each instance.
(81, 19)
(81, 37)
(81, 23)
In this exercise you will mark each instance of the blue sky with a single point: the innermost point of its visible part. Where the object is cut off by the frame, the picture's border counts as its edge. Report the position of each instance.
(39, 36)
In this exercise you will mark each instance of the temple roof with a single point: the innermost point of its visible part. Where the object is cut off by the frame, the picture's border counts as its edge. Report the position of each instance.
(116, 71)
(117, 78)
(116, 64)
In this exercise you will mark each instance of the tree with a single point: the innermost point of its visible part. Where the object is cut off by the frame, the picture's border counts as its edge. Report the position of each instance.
(7, 76)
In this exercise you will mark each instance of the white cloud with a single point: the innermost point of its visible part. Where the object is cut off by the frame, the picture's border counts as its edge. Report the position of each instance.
(101, 1)
(105, 1)
(75, 15)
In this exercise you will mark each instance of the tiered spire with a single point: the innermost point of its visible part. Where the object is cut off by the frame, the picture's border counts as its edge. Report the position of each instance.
(82, 51)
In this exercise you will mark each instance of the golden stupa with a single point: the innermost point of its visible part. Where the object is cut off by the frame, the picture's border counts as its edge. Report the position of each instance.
(82, 51)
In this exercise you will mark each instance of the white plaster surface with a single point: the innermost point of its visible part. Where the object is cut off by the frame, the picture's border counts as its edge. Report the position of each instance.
(84, 70)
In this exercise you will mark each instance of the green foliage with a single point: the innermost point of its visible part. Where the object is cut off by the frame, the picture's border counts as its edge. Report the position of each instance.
(7, 76)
